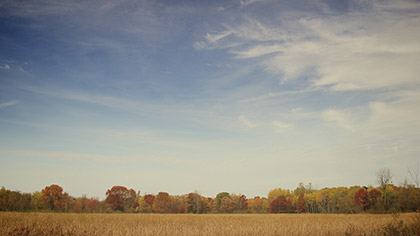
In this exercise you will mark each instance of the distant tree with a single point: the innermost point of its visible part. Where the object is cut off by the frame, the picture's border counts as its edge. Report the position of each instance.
(162, 203)
(303, 189)
(179, 204)
(275, 193)
(213, 205)
(92, 205)
(78, 205)
(52, 198)
(221, 195)
(241, 203)
(121, 199)
(14, 200)
(194, 203)
(374, 199)
(384, 178)
(145, 203)
(414, 175)
(300, 205)
(255, 205)
(36, 201)
(149, 199)
(324, 199)
(279, 205)
(227, 205)
(205, 204)
(219, 198)
(362, 199)
(409, 198)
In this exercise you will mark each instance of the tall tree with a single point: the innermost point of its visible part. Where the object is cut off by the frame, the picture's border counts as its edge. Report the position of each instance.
(52, 197)
(219, 198)
(300, 205)
(162, 203)
(241, 202)
(227, 205)
(374, 199)
(194, 204)
(149, 199)
(384, 178)
(121, 198)
(279, 205)
(362, 199)
(414, 175)
(255, 205)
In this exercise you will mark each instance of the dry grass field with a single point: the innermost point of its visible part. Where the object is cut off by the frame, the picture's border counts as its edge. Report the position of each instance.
(12, 223)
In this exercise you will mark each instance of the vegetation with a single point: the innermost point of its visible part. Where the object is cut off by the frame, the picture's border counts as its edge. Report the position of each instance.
(399, 227)
(15, 223)
(386, 198)
(356, 199)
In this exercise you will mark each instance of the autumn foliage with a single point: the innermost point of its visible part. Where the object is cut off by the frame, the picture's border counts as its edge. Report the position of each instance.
(362, 198)
(52, 197)
(279, 205)
(162, 203)
(300, 205)
(304, 199)
(121, 199)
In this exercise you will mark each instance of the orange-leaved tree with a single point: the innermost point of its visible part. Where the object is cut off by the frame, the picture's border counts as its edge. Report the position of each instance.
(121, 198)
(162, 203)
(52, 198)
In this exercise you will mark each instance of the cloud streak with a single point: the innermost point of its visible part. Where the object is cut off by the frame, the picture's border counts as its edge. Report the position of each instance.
(8, 103)
(372, 49)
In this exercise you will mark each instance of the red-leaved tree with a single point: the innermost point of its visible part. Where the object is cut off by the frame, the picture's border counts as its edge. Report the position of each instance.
(279, 205)
(362, 198)
(300, 204)
(374, 197)
(149, 199)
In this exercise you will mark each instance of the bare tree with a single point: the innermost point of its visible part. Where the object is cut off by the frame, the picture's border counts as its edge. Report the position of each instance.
(414, 175)
(384, 177)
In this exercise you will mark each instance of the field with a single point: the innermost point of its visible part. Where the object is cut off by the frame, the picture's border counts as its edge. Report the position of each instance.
(12, 223)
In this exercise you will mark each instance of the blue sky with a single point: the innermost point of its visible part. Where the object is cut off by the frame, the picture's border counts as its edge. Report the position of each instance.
(239, 96)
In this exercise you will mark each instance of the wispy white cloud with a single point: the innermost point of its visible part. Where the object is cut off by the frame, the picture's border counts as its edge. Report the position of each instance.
(212, 38)
(389, 122)
(279, 94)
(5, 67)
(8, 103)
(247, 2)
(257, 51)
(366, 50)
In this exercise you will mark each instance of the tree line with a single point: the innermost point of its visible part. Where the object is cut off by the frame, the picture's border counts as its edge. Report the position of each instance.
(384, 198)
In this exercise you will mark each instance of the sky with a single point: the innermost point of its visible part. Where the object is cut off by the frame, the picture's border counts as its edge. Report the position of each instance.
(241, 96)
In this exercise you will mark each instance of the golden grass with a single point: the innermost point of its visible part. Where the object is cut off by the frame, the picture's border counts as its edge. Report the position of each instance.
(13, 223)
